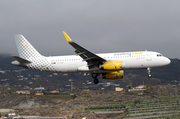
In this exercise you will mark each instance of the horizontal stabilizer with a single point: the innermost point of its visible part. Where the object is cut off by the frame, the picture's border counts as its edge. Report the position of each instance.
(20, 60)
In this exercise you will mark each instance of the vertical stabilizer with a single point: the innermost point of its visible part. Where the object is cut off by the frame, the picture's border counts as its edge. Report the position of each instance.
(25, 49)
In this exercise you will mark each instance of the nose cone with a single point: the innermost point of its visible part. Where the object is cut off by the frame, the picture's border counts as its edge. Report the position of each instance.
(166, 61)
(169, 61)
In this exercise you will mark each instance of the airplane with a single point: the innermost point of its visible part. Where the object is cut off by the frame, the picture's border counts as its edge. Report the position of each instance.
(109, 65)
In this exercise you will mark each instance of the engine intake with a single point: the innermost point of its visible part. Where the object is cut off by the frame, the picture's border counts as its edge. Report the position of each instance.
(113, 75)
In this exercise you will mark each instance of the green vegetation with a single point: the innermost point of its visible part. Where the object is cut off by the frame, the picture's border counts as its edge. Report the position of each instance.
(137, 102)
(175, 116)
(106, 107)
(154, 106)
(145, 107)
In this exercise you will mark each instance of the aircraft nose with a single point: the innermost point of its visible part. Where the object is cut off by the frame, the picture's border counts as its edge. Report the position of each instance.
(167, 61)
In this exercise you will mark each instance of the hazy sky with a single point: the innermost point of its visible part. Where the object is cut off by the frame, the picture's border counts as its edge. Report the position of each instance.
(98, 25)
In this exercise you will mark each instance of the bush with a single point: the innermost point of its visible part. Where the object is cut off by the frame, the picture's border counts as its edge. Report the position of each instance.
(137, 101)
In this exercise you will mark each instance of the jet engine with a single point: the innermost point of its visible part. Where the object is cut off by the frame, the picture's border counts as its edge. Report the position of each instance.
(113, 75)
(112, 65)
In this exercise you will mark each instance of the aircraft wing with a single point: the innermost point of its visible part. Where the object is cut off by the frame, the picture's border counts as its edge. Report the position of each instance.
(88, 56)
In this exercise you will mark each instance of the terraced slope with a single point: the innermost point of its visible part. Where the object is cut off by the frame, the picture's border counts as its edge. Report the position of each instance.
(145, 108)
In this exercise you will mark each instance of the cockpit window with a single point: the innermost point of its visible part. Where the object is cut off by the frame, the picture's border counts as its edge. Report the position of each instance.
(159, 55)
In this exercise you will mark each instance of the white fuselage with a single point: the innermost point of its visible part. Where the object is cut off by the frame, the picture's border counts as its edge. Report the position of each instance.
(131, 60)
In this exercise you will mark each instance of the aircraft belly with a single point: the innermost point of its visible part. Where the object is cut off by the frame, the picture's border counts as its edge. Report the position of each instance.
(68, 67)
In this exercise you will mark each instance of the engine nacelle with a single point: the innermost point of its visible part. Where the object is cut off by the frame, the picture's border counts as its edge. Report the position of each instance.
(113, 75)
(112, 65)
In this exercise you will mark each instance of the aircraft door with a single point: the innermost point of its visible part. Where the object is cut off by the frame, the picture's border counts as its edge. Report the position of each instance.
(148, 56)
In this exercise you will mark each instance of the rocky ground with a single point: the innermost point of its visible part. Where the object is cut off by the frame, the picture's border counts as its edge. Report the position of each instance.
(75, 107)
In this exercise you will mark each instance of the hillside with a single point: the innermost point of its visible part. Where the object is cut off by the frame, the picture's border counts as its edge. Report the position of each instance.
(155, 100)
(27, 79)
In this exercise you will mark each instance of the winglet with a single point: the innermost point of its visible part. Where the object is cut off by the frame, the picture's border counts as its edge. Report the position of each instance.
(66, 36)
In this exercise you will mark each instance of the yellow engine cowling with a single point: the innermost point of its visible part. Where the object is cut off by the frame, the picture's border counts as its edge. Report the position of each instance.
(113, 65)
(113, 75)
